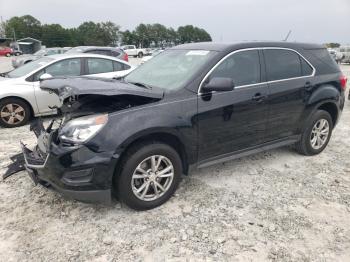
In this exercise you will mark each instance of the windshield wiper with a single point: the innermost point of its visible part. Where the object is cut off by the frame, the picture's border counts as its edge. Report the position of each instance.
(140, 84)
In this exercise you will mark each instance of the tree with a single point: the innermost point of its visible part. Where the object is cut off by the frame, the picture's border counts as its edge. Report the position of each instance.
(189, 34)
(332, 45)
(100, 34)
(23, 26)
(55, 35)
(129, 38)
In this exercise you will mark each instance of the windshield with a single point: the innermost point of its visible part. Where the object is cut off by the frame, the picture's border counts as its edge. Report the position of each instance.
(30, 67)
(170, 69)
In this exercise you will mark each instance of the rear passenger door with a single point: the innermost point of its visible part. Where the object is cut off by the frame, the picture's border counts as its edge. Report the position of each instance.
(289, 78)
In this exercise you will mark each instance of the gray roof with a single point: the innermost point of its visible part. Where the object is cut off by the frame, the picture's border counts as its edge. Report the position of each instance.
(212, 46)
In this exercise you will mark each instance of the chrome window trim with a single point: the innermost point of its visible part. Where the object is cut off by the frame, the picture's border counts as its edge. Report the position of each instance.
(261, 83)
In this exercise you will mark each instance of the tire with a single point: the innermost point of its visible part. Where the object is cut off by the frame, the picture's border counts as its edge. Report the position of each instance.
(305, 145)
(137, 156)
(8, 54)
(14, 112)
(140, 55)
(28, 61)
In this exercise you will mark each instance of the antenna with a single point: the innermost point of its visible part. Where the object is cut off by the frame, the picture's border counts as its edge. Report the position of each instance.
(290, 31)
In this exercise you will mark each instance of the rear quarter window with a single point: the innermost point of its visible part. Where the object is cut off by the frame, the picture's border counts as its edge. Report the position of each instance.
(323, 61)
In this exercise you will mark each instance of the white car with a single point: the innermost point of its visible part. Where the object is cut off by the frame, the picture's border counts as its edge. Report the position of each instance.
(132, 50)
(20, 93)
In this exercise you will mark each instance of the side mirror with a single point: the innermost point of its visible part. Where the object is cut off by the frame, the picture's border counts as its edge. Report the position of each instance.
(219, 84)
(45, 76)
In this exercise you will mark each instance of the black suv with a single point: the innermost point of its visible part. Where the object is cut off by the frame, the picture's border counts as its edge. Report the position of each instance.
(192, 105)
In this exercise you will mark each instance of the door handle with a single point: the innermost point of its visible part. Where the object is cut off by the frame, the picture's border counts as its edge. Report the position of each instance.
(258, 97)
(308, 86)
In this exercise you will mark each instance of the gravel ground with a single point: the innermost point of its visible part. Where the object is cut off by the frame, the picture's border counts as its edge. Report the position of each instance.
(273, 206)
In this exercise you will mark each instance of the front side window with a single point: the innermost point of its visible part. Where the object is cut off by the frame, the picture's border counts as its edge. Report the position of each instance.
(243, 67)
(67, 67)
(282, 64)
(99, 65)
(171, 69)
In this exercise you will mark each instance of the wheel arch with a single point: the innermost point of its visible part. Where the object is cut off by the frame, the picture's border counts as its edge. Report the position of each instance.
(332, 109)
(162, 136)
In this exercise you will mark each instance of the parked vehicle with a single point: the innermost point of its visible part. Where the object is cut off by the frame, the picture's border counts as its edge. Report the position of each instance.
(100, 50)
(191, 106)
(21, 97)
(6, 51)
(153, 54)
(132, 50)
(24, 59)
(344, 51)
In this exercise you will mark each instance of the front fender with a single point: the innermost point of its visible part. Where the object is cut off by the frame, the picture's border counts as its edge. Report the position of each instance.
(174, 119)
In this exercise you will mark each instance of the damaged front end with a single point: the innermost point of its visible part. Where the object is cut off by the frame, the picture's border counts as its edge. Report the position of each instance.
(68, 156)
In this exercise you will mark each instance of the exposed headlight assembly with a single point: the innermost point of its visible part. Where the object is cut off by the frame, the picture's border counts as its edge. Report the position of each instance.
(82, 129)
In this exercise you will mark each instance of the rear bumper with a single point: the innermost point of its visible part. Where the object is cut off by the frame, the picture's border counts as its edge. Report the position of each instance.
(87, 180)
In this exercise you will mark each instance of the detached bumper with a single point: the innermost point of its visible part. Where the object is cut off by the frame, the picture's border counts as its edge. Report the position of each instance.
(76, 173)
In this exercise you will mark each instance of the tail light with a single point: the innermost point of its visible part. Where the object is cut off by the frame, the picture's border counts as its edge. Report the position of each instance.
(343, 81)
(125, 57)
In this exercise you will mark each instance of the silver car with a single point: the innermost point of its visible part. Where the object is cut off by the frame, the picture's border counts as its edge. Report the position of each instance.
(24, 59)
(20, 93)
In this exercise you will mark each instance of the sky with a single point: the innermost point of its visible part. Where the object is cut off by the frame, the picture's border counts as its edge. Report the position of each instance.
(317, 21)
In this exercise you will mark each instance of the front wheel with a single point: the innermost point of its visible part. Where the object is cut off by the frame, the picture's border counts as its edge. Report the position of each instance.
(316, 134)
(14, 112)
(140, 55)
(150, 175)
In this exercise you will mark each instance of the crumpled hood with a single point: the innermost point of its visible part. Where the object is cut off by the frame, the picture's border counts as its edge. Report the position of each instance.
(66, 87)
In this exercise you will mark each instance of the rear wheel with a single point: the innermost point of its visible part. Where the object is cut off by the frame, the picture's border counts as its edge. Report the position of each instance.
(14, 112)
(140, 55)
(8, 54)
(316, 135)
(150, 175)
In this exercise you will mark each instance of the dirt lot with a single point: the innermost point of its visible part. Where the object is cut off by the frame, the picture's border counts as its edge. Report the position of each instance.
(276, 206)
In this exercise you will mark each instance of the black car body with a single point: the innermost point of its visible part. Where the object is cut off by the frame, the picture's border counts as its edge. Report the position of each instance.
(279, 89)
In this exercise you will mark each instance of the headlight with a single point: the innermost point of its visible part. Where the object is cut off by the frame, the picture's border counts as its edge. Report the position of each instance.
(82, 129)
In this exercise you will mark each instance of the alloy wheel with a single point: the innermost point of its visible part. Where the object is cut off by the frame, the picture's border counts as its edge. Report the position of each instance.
(12, 114)
(319, 134)
(152, 178)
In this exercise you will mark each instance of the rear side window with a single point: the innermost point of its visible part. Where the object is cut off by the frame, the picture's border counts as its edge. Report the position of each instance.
(243, 67)
(282, 64)
(100, 52)
(120, 66)
(306, 69)
(99, 65)
(115, 53)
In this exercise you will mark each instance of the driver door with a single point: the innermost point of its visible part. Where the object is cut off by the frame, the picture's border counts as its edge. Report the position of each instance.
(46, 101)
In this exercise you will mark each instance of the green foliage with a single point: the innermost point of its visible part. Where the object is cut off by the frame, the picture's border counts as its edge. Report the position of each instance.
(102, 34)
(332, 45)
(23, 26)
(146, 35)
